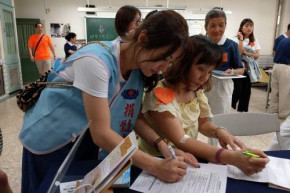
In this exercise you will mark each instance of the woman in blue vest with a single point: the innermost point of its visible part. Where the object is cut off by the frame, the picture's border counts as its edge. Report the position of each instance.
(69, 46)
(108, 82)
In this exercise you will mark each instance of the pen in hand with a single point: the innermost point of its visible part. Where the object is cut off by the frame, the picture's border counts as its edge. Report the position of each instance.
(251, 154)
(172, 152)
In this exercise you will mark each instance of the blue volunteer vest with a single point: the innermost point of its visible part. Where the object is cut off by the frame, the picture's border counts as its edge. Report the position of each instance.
(58, 116)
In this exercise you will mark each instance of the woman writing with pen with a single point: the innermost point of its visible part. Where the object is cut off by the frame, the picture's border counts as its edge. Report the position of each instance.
(177, 109)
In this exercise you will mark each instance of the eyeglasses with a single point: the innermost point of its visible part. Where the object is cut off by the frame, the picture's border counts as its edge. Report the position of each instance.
(137, 21)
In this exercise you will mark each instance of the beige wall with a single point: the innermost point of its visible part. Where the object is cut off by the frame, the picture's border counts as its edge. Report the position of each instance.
(262, 12)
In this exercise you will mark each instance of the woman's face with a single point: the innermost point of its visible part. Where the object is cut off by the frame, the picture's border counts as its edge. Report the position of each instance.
(135, 23)
(247, 29)
(199, 75)
(216, 28)
(149, 67)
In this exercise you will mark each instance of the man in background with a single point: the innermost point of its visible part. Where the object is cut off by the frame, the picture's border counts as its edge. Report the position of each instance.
(281, 37)
(38, 47)
(280, 84)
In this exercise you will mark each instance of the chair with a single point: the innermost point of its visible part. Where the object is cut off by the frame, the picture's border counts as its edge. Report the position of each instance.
(247, 124)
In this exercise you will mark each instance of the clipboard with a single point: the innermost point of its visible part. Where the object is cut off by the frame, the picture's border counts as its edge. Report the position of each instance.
(66, 163)
(223, 75)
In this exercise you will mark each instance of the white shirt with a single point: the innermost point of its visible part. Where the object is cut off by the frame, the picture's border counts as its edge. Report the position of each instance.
(246, 43)
(91, 75)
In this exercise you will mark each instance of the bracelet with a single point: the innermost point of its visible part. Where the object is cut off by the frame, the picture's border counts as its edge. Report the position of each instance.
(215, 132)
(157, 141)
(218, 155)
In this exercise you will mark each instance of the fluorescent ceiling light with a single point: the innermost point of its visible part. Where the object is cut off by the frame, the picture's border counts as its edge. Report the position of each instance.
(204, 11)
(108, 9)
(99, 9)
(163, 8)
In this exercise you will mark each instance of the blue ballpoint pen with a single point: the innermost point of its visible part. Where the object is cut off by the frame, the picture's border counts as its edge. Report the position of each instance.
(172, 152)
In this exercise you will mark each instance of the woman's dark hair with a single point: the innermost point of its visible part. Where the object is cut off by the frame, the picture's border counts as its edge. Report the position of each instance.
(165, 28)
(70, 35)
(251, 36)
(202, 50)
(124, 17)
(215, 13)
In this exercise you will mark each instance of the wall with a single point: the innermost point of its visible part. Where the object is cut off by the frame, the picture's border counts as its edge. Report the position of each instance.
(262, 12)
(285, 17)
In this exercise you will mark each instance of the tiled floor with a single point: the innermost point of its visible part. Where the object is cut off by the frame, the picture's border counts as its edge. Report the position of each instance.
(11, 120)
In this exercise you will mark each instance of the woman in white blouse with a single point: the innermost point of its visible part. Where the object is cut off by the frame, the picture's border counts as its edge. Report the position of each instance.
(250, 51)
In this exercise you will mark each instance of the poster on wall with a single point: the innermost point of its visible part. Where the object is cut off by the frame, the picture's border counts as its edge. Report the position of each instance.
(58, 30)
(196, 26)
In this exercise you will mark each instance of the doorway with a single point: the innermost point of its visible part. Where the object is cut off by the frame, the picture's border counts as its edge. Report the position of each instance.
(25, 28)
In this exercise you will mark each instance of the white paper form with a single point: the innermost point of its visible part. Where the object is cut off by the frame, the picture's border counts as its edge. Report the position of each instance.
(236, 173)
(206, 179)
(143, 182)
(277, 172)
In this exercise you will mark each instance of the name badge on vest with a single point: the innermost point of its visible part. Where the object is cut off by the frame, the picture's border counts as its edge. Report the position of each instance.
(125, 107)
(225, 57)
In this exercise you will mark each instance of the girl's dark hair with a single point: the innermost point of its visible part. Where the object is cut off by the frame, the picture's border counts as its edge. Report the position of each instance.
(124, 16)
(70, 35)
(215, 13)
(202, 50)
(251, 36)
(165, 28)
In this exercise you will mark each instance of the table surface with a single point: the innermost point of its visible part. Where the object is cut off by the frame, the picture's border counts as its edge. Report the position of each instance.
(79, 169)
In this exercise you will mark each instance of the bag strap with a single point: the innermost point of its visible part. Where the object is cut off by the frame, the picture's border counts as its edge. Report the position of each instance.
(37, 44)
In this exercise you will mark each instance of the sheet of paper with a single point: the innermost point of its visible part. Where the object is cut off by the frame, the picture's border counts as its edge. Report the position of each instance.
(236, 173)
(143, 182)
(228, 77)
(279, 171)
(276, 172)
(206, 179)
(68, 187)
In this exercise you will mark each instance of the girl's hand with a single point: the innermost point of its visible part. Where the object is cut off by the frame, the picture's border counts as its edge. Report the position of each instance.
(188, 158)
(169, 170)
(240, 36)
(225, 138)
(250, 165)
